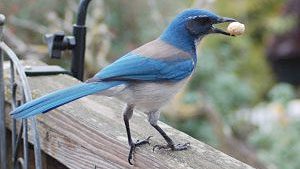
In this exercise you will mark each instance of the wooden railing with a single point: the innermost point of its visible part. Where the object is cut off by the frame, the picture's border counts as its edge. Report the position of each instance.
(89, 133)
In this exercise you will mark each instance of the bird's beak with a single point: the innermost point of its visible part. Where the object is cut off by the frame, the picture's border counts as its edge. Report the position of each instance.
(221, 20)
(225, 19)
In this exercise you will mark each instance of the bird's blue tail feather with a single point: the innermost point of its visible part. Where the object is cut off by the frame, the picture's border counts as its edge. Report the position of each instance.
(61, 97)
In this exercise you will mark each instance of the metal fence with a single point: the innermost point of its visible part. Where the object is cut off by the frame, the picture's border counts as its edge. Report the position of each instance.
(20, 94)
(57, 43)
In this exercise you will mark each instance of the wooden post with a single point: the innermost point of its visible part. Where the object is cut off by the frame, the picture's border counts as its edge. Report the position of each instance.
(89, 133)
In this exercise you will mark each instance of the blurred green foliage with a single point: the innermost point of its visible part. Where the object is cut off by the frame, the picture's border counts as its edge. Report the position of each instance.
(282, 93)
(280, 147)
(135, 22)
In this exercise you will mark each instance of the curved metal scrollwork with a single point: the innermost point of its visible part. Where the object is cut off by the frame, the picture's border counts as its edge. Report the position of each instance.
(20, 94)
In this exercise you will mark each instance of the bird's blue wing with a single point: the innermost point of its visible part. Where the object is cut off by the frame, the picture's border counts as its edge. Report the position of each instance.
(136, 67)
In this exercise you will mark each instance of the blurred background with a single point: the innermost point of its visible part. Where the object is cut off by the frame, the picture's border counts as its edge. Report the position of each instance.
(244, 96)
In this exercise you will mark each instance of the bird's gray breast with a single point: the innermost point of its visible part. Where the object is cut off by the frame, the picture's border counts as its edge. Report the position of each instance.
(150, 96)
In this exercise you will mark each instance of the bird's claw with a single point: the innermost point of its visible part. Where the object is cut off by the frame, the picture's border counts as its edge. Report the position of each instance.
(173, 147)
(146, 141)
(134, 145)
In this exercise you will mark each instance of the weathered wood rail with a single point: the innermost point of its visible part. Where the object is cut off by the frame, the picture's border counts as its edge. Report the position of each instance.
(89, 133)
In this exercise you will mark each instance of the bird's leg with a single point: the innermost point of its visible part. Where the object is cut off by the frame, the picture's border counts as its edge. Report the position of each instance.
(126, 116)
(170, 143)
(153, 118)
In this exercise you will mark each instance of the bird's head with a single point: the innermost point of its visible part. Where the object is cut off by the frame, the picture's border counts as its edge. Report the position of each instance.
(192, 25)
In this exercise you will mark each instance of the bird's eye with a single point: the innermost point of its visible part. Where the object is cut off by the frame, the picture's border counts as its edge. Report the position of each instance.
(203, 20)
(195, 23)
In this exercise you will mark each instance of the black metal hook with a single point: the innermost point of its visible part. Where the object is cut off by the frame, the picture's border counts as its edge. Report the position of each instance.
(58, 42)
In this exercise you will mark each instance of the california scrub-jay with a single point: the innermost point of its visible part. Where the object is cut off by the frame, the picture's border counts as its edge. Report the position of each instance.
(145, 78)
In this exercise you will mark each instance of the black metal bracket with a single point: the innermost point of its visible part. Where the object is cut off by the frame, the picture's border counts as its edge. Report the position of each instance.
(58, 42)
(45, 70)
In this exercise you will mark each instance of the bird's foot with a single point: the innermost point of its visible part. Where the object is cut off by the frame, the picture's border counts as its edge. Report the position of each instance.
(137, 144)
(173, 147)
